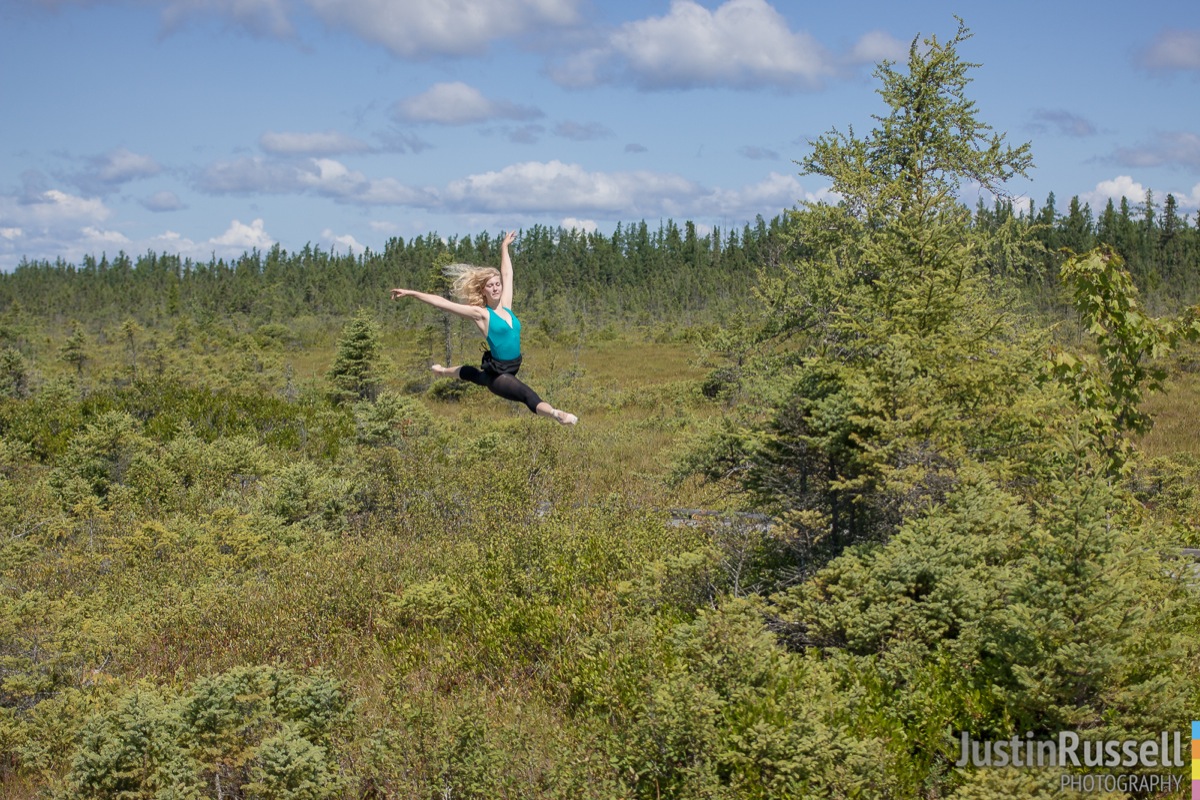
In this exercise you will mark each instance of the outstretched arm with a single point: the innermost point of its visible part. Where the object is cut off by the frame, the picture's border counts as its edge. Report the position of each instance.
(506, 270)
(474, 313)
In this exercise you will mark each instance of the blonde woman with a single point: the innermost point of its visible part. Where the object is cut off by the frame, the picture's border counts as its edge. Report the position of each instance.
(487, 301)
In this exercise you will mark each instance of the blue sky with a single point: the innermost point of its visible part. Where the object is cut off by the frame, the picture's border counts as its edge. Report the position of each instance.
(206, 127)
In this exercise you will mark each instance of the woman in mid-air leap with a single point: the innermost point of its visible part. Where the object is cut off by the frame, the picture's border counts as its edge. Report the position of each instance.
(487, 299)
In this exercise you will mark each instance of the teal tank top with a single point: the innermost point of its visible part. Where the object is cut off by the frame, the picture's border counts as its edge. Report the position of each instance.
(504, 340)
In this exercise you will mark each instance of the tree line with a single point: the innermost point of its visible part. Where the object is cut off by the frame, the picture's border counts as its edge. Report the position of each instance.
(568, 277)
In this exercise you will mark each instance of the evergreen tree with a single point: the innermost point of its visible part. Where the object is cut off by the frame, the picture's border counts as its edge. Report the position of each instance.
(14, 374)
(74, 350)
(907, 347)
(357, 371)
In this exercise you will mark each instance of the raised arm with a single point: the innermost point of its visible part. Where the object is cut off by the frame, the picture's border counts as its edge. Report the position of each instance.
(474, 313)
(506, 270)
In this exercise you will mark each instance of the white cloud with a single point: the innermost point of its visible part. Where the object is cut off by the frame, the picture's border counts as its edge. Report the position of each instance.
(1173, 50)
(767, 197)
(95, 237)
(458, 104)
(1115, 189)
(323, 143)
(549, 187)
(875, 46)
(1126, 186)
(346, 241)
(571, 223)
(320, 176)
(460, 28)
(241, 237)
(743, 43)
(50, 223)
(53, 209)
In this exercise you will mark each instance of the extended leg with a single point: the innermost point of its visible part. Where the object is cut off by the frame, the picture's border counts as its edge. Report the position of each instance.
(511, 388)
(466, 372)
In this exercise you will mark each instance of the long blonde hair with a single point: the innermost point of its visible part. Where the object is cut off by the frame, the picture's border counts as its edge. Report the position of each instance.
(467, 282)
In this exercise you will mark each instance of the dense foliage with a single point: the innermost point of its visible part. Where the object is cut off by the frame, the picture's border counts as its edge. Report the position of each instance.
(249, 550)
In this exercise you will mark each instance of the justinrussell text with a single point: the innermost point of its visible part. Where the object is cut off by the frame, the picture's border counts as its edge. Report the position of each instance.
(1069, 750)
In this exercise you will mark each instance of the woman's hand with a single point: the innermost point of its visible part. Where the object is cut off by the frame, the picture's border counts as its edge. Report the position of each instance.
(508, 239)
(398, 293)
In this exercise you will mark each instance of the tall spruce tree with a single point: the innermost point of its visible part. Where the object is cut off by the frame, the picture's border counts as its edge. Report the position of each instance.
(906, 348)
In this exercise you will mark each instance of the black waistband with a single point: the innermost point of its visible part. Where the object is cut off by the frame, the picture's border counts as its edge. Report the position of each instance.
(500, 365)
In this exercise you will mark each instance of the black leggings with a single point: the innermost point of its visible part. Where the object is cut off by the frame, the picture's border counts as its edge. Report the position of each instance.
(500, 378)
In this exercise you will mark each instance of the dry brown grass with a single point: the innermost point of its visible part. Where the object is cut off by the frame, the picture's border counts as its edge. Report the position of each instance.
(1176, 415)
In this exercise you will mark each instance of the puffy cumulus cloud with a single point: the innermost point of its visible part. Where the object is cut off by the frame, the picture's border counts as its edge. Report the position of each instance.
(1189, 199)
(1125, 186)
(1170, 149)
(1172, 50)
(1114, 189)
(742, 43)
(50, 223)
(162, 201)
(241, 237)
(345, 240)
(324, 143)
(231, 243)
(457, 103)
(460, 28)
(573, 224)
(52, 209)
(102, 240)
(1063, 122)
(320, 176)
(582, 131)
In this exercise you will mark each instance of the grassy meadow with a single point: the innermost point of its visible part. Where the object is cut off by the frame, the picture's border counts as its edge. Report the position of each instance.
(218, 584)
